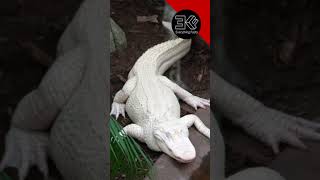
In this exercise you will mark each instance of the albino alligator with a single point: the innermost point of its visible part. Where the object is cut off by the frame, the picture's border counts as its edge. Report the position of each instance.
(65, 116)
(153, 107)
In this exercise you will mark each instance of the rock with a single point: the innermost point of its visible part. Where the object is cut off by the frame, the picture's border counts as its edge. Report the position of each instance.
(117, 37)
(203, 172)
(168, 168)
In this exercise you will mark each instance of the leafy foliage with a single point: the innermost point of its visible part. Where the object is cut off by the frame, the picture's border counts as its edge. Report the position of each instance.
(126, 156)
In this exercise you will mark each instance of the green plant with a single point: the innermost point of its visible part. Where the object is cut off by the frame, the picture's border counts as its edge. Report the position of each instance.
(127, 157)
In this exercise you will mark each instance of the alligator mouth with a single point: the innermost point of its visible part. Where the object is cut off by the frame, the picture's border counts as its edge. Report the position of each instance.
(184, 160)
(183, 151)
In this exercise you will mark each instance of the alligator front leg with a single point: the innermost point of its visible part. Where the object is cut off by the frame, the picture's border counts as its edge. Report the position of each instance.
(25, 149)
(266, 124)
(192, 119)
(27, 140)
(134, 131)
(38, 109)
(118, 105)
(186, 96)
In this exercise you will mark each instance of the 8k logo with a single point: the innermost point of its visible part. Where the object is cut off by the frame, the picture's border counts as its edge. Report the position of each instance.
(186, 24)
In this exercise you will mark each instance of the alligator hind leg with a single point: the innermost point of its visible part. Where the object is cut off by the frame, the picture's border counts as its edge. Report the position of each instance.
(186, 96)
(118, 105)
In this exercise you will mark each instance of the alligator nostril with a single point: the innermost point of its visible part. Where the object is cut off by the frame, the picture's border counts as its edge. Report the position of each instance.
(189, 155)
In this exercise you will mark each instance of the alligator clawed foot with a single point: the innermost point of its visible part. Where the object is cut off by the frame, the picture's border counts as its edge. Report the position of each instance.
(117, 109)
(122, 133)
(196, 102)
(25, 149)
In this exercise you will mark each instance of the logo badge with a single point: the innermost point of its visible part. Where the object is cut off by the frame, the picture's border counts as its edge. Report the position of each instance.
(186, 24)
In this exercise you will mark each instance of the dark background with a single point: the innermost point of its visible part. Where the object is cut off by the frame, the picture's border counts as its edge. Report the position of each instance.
(275, 46)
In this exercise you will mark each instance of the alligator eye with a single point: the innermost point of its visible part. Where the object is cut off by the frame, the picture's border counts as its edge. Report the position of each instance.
(157, 136)
(168, 134)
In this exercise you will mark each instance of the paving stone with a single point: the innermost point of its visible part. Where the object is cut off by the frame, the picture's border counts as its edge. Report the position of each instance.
(295, 164)
(166, 168)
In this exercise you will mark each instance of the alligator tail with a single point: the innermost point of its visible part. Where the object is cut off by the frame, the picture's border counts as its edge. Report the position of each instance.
(162, 56)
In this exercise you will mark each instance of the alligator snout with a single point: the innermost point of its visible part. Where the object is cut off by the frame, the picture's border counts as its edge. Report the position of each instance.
(186, 156)
(184, 150)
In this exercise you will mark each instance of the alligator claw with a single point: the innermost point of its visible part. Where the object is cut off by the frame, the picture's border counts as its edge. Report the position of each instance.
(118, 109)
(122, 133)
(24, 149)
(196, 102)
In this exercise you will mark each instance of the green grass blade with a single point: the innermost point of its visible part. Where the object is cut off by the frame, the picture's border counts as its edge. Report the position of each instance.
(127, 157)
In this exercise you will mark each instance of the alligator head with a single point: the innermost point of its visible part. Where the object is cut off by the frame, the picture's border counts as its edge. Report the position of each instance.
(173, 139)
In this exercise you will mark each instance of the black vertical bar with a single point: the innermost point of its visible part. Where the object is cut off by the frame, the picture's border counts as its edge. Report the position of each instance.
(217, 157)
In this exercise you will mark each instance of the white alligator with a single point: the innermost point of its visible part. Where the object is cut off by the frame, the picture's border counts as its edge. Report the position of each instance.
(151, 103)
(64, 117)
